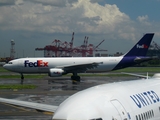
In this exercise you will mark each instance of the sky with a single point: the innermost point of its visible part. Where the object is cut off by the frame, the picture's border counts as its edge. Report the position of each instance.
(37, 23)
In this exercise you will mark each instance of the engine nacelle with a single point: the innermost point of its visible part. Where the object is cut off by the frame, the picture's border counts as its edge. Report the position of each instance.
(55, 72)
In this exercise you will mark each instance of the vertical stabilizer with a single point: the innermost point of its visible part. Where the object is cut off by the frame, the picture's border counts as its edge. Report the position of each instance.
(141, 48)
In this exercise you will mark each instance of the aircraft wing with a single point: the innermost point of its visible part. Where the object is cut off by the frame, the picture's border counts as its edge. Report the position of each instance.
(80, 67)
(137, 75)
(37, 106)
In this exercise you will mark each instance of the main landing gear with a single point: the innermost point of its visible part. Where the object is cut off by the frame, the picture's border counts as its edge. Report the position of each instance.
(22, 78)
(75, 78)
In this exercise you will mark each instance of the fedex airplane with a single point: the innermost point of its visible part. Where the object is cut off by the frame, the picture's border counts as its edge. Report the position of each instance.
(126, 100)
(61, 66)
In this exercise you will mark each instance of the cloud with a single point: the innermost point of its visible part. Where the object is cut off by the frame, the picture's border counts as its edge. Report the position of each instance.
(10, 2)
(7, 2)
(144, 19)
(67, 16)
(109, 16)
(95, 1)
(29, 20)
(80, 16)
(56, 3)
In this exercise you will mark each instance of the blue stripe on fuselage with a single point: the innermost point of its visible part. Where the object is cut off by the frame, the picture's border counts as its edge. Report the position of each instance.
(125, 62)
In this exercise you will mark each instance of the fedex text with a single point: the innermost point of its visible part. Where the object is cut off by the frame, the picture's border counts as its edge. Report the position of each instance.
(142, 46)
(38, 63)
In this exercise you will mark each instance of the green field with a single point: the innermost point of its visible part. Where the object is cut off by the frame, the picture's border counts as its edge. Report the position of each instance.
(138, 70)
(3, 70)
(16, 86)
(28, 76)
(19, 86)
(4, 74)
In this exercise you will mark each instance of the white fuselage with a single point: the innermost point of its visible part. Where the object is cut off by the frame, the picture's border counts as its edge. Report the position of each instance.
(131, 100)
(30, 66)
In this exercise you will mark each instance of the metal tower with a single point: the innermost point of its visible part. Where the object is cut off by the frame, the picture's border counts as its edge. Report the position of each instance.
(12, 52)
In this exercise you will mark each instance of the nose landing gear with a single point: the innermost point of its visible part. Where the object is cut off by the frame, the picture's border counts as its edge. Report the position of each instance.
(22, 78)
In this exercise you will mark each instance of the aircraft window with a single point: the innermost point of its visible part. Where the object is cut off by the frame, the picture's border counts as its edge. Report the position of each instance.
(152, 113)
(142, 116)
(139, 117)
(10, 63)
(146, 115)
(97, 119)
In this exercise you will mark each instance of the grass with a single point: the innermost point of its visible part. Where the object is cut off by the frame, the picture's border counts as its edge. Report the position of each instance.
(138, 70)
(33, 76)
(17, 86)
(2, 69)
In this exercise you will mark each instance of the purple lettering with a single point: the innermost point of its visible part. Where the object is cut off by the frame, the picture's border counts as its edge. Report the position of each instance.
(39, 63)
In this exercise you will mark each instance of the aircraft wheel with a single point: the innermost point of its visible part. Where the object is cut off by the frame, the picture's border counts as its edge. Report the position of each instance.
(75, 79)
(72, 77)
(78, 78)
(22, 77)
(74, 82)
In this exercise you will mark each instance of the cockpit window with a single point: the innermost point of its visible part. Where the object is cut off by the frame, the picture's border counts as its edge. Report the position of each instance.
(10, 63)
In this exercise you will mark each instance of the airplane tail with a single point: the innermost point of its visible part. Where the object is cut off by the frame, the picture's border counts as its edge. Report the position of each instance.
(137, 54)
(141, 48)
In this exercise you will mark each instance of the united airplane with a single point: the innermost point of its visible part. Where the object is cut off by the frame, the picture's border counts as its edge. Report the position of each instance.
(61, 66)
(125, 100)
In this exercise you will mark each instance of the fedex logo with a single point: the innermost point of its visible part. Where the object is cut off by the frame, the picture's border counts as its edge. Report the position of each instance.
(142, 46)
(39, 63)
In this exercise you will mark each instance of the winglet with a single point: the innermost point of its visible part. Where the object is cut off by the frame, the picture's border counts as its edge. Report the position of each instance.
(141, 48)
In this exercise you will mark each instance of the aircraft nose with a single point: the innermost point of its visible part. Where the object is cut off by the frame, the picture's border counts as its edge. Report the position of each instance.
(4, 66)
(76, 113)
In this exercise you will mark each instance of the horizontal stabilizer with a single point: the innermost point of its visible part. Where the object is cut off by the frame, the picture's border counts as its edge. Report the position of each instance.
(143, 59)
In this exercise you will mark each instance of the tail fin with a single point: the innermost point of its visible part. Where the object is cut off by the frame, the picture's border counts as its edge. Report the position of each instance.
(141, 48)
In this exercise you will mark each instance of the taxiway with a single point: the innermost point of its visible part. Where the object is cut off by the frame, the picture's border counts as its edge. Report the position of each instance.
(49, 91)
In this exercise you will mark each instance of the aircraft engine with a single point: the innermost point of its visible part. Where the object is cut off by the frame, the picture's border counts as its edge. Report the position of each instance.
(55, 72)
